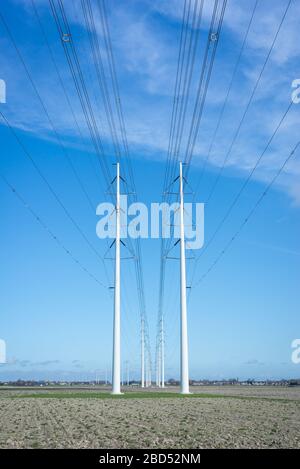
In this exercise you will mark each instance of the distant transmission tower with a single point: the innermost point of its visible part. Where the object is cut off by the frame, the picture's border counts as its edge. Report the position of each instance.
(127, 373)
(157, 364)
(148, 371)
(159, 361)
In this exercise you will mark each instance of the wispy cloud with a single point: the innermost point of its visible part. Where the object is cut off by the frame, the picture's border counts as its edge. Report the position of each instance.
(15, 362)
(47, 363)
(253, 362)
(145, 38)
(280, 249)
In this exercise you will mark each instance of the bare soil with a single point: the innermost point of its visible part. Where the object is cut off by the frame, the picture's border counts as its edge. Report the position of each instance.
(270, 420)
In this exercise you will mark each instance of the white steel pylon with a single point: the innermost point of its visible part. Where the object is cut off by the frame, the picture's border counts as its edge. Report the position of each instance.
(162, 354)
(142, 353)
(150, 373)
(159, 362)
(127, 372)
(184, 359)
(116, 372)
(157, 365)
(149, 377)
(147, 373)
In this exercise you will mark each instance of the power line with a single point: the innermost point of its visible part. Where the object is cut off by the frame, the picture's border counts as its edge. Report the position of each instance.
(81, 89)
(204, 80)
(245, 221)
(248, 103)
(187, 80)
(49, 231)
(98, 64)
(57, 136)
(53, 192)
(226, 97)
(52, 57)
(177, 88)
(239, 193)
(241, 190)
(199, 105)
(120, 114)
(206, 70)
(96, 55)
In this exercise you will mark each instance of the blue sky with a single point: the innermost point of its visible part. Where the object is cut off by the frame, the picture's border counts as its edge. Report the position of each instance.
(55, 319)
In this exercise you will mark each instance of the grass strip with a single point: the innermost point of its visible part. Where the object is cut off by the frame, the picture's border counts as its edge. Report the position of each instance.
(142, 395)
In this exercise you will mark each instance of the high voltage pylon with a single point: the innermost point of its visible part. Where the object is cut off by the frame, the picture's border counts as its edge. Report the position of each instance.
(116, 372)
(71, 54)
(160, 352)
(187, 51)
(160, 356)
(184, 359)
(145, 357)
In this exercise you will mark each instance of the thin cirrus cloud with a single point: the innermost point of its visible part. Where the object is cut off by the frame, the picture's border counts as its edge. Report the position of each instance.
(145, 37)
(14, 362)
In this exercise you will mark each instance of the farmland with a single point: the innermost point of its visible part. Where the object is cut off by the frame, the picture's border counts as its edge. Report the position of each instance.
(212, 417)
